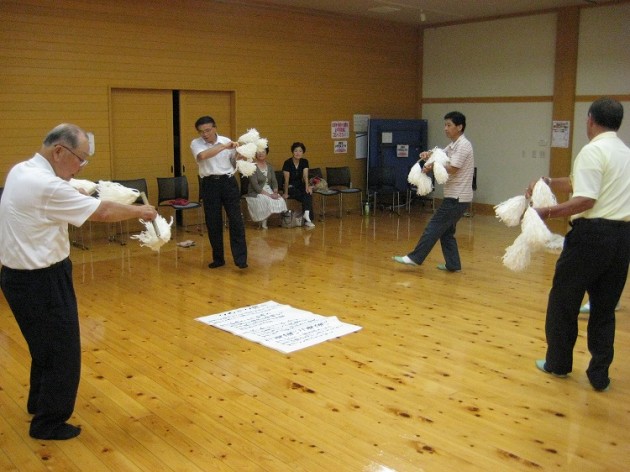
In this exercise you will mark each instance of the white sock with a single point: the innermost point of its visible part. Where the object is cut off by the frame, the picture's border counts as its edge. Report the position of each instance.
(263, 224)
(307, 215)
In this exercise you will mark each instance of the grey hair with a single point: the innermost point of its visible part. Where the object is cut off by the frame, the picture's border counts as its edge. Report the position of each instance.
(65, 133)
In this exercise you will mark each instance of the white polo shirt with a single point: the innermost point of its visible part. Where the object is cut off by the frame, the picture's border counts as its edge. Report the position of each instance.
(601, 171)
(221, 164)
(35, 210)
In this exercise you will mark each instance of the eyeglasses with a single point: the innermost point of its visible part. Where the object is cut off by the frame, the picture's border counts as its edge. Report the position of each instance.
(82, 162)
(206, 130)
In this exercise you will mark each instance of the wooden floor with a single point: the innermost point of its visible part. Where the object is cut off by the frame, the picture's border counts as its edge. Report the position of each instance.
(440, 378)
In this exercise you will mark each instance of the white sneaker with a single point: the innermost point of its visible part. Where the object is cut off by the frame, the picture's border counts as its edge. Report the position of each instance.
(309, 224)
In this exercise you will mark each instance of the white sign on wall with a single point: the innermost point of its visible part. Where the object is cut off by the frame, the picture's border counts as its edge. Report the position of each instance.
(341, 147)
(340, 129)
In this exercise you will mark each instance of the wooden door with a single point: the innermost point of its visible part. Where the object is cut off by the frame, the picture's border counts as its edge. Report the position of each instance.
(142, 136)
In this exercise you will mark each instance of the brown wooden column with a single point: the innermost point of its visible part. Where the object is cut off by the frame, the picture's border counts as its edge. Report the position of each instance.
(567, 31)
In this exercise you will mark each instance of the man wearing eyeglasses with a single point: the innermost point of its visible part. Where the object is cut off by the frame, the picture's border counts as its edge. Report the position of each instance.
(37, 205)
(216, 156)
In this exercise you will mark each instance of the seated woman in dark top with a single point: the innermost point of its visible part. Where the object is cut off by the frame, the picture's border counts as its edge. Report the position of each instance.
(296, 184)
(263, 198)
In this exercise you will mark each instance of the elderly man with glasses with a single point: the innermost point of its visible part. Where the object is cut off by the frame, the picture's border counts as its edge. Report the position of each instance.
(37, 205)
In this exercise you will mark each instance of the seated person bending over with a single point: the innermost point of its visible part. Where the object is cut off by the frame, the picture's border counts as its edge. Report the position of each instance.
(263, 198)
(296, 184)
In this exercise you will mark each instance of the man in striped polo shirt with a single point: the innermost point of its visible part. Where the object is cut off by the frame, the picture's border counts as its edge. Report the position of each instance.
(458, 194)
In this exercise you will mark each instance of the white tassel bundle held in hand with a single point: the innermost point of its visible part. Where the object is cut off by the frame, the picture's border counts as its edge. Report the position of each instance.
(534, 233)
(150, 238)
(511, 210)
(440, 160)
(421, 181)
(115, 192)
(250, 144)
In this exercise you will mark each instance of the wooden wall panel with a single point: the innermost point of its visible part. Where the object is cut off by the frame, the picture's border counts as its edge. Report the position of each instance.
(142, 136)
(293, 73)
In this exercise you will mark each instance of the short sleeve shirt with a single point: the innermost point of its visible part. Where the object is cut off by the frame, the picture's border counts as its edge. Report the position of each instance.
(35, 211)
(459, 184)
(601, 171)
(221, 164)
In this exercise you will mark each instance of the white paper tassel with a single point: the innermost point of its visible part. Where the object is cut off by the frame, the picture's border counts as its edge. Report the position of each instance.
(87, 186)
(261, 144)
(246, 168)
(542, 196)
(511, 210)
(555, 243)
(440, 173)
(149, 238)
(251, 136)
(115, 192)
(518, 256)
(414, 174)
(424, 185)
(248, 151)
(421, 181)
(438, 155)
(534, 230)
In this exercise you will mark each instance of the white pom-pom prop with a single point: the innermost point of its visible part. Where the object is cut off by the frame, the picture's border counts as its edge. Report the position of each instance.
(421, 181)
(556, 243)
(115, 192)
(542, 196)
(440, 172)
(438, 155)
(439, 160)
(246, 169)
(87, 186)
(414, 174)
(156, 233)
(534, 230)
(511, 210)
(251, 136)
(248, 151)
(261, 144)
(518, 255)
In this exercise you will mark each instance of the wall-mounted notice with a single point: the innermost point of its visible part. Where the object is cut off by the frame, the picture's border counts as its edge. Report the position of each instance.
(340, 129)
(402, 150)
(560, 134)
(341, 147)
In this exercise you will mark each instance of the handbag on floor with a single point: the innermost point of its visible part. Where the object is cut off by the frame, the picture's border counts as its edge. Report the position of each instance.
(291, 219)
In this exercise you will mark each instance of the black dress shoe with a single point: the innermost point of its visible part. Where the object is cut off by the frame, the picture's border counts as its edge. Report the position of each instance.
(62, 432)
(215, 264)
(242, 266)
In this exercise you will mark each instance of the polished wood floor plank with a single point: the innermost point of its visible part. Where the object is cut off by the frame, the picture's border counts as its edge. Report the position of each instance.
(441, 376)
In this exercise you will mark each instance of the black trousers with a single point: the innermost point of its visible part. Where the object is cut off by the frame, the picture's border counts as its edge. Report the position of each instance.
(45, 307)
(306, 199)
(222, 192)
(594, 259)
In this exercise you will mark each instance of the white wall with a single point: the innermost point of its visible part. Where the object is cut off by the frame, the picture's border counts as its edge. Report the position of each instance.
(510, 140)
(603, 64)
(604, 51)
(510, 143)
(486, 64)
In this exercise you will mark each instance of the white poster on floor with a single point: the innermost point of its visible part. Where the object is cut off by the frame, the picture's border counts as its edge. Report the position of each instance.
(280, 327)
